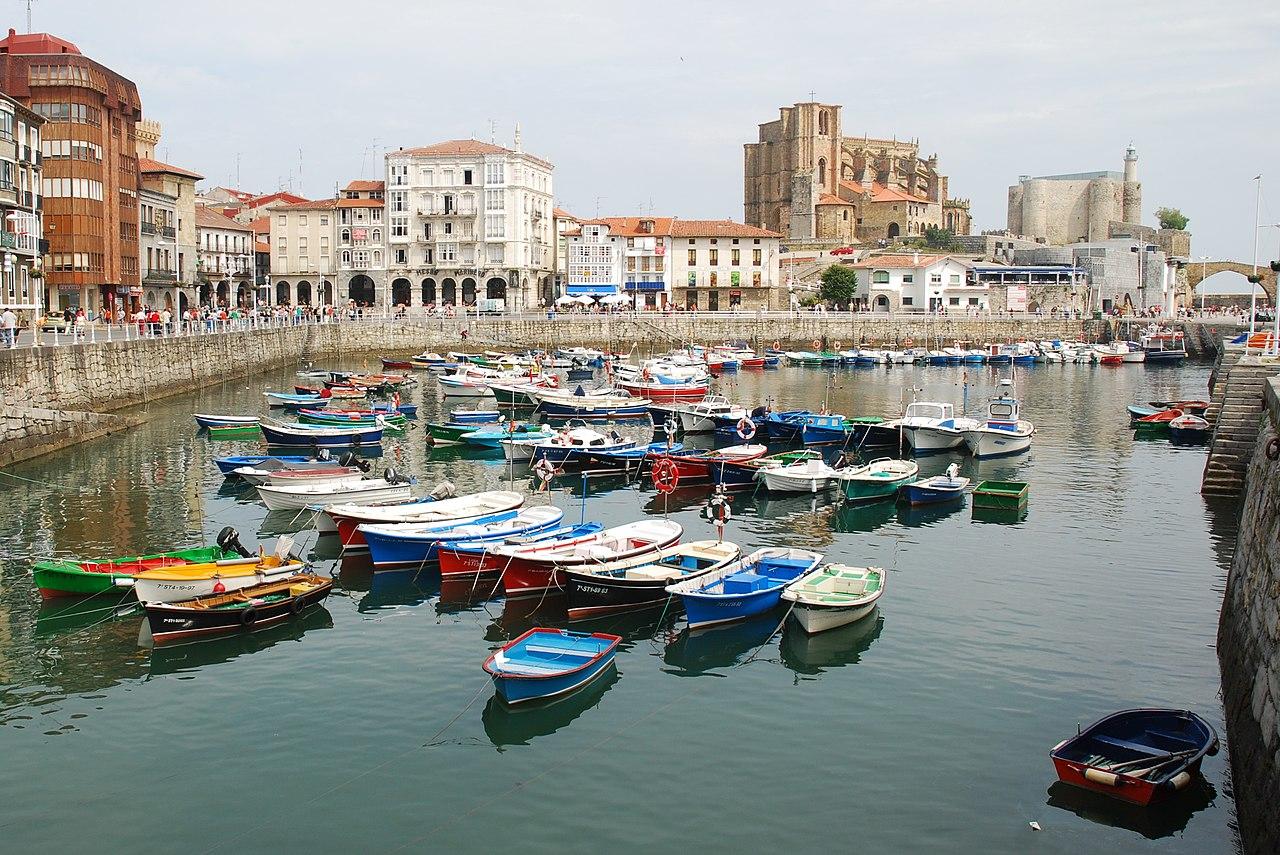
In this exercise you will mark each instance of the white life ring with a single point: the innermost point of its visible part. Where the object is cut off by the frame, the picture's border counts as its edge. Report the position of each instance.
(546, 469)
(746, 428)
(669, 426)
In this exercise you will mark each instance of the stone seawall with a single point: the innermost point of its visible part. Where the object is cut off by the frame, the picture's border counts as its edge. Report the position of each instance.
(1249, 645)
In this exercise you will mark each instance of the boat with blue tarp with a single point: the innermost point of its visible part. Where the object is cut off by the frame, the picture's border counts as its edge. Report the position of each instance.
(547, 663)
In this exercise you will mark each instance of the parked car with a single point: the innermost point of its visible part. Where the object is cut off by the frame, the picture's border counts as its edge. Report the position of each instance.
(52, 323)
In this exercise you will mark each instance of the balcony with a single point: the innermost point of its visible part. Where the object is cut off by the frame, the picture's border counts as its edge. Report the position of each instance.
(160, 277)
(22, 243)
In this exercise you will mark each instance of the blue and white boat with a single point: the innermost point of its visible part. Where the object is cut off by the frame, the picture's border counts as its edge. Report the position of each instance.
(285, 399)
(1004, 432)
(228, 465)
(309, 436)
(784, 426)
(464, 416)
(415, 544)
(744, 588)
(939, 488)
(491, 436)
(625, 459)
(547, 663)
(823, 429)
(460, 558)
(568, 445)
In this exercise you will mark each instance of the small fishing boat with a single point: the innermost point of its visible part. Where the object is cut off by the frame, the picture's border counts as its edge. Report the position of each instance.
(593, 406)
(397, 363)
(742, 474)
(351, 418)
(625, 459)
(932, 426)
(803, 476)
(449, 434)
(313, 475)
(414, 544)
(344, 519)
(465, 416)
(784, 426)
(285, 399)
(1138, 411)
(1138, 756)
(184, 581)
(640, 582)
(1195, 408)
(1157, 422)
(1189, 430)
(466, 557)
(661, 389)
(879, 479)
(246, 610)
(1164, 346)
(59, 577)
(834, 595)
(539, 568)
(234, 431)
(745, 588)
(1001, 495)
(493, 435)
(1004, 432)
(564, 446)
(939, 488)
(229, 464)
(303, 436)
(693, 466)
(548, 663)
(701, 417)
(390, 487)
(206, 420)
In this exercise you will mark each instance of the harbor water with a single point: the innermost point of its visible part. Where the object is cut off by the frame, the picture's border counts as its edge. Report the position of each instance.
(368, 725)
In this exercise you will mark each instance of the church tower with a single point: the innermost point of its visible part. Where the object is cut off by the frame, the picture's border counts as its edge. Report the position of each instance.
(1132, 209)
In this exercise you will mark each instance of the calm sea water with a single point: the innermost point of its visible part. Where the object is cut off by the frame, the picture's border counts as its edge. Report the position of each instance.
(369, 725)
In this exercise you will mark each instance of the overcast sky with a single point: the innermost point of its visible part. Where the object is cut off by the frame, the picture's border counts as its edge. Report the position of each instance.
(650, 103)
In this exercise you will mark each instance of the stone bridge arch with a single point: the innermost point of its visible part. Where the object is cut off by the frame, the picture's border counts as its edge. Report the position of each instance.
(1198, 272)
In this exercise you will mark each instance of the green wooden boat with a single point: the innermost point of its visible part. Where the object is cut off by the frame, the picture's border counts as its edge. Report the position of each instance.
(1001, 495)
(449, 434)
(512, 396)
(234, 431)
(878, 480)
(71, 578)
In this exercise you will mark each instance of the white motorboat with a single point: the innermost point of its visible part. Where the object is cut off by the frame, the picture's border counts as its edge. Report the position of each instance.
(803, 476)
(834, 595)
(1003, 432)
(932, 426)
(357, 489)
(701, 416)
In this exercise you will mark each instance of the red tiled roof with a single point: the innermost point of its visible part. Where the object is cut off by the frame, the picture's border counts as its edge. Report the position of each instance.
(261, 246)
(279, 196)
(562, 214)
(718, 228)
(146, 164)
(318, 205)
(360, 203)
(899, 261)
(261, 226)
(208, 218)
(630, 226)
(462, 148)
(361, 186)
(881, 193)
(28, 43)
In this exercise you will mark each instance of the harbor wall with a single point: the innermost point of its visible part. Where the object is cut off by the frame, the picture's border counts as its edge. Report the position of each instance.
(1249, 644)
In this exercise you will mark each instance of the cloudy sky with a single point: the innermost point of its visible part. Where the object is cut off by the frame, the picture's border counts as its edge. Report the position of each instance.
(649, 104)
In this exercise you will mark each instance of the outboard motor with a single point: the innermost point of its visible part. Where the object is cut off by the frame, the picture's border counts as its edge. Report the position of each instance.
(444, 490)
(393, 476)
(759, 413)
(229, 540)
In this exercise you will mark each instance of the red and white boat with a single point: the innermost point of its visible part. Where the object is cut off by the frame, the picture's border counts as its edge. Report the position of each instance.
(655, 390)
(696, 468)
(535, 569)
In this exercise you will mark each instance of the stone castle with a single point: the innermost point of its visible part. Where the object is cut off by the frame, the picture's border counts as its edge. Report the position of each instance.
(1078, 207)
(807, 180)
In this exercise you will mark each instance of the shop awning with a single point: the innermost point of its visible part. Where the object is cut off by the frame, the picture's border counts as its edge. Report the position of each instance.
(590, 290)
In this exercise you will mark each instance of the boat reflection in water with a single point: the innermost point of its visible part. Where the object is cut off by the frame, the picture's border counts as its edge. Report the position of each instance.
(1164, 819)
(1000, 516)
(771, 506)
(521, 724)
(64, 614)
(850, 518)
(399, 588)
(701, 651)
(813, 654)
(183, 658)
(915, 516)
(276, 523)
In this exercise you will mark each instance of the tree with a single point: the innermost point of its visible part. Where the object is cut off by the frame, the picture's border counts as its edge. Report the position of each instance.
(936, 238)
(839, 284)
(1171, 218)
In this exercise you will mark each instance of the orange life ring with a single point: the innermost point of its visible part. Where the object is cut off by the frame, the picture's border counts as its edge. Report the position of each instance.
(816, 344)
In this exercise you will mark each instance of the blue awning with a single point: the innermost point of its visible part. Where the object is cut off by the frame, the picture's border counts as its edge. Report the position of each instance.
(590, 290)
(644, 286)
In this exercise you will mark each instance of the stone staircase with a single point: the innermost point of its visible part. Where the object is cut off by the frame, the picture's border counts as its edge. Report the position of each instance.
(1235, 411)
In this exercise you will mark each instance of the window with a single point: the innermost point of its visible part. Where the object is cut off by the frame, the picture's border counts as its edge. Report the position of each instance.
(302, 219)
(402, 256)
(281, 219)
(755, 279)
(446, 177)
(908, 301)
(448, 228)
(755, 257)
(496, 253)
(735, 257)
(448, 252)
(427, 255)
(399, 201)
(954, 301)
(377, 236)
(346, 236)
(715, 257)
(324, 221)
(494, 226)
(880, 277)
(935, 278)
(973, 301)
(713, 281)
(494, 200)
(955, 279)
(693, 257)
(399, 227)
(908, 278)
(494, 172)
(466, 176)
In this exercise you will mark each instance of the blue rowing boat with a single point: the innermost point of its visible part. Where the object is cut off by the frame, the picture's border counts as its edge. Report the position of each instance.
(411, 544)
(547, 663)
(228, 465)
(465, 557)
(744, 588)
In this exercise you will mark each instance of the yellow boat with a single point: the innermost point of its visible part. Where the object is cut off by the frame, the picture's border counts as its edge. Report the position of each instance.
(184, 581)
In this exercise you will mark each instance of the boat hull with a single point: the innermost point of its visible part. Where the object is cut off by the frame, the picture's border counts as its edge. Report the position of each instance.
(814, 618)
(514, 691)
(171, 623)
(867, 490)
(996, 443)
(922, 494)
(68, 579)
(168, 590)
(926, 440)
(709, 611)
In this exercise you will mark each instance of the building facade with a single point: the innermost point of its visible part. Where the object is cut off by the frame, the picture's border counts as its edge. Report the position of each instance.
(808, 181)
(1077, 207)
(563, 223)
(21, 264)
(158, 251)
(474, 221)
(362, 246)
(917, 282)
(178, 237)
(225, 260)
(302, 253)
(90, 170)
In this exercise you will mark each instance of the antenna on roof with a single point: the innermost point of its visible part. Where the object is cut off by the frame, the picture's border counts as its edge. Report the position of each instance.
(493, 132)
(300, 171)
(29, 30)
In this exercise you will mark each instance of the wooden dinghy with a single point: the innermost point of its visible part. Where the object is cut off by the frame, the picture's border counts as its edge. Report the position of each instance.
(547, 663)
(834, 595)
(246, 610)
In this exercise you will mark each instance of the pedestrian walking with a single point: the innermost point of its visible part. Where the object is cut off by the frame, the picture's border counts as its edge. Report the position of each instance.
(9, 328)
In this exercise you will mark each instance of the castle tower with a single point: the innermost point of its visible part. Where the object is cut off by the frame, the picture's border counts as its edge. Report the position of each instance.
(148, 133)
(1132, 207)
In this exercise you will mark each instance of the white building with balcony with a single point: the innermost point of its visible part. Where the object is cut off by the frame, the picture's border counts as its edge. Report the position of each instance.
(721, 265)
(21, 285)
(225, 259)
(303, 255)
(919, 283)
(469, 224)
(361, 234)
(158, 249)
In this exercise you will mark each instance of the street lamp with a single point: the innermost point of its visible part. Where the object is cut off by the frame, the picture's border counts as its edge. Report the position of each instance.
(1204, 263)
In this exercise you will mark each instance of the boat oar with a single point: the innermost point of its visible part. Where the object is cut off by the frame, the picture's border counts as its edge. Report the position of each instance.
(1156, 762)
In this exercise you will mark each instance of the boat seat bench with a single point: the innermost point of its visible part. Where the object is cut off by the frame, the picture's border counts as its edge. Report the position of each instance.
(1131, 746)
(560, 651)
